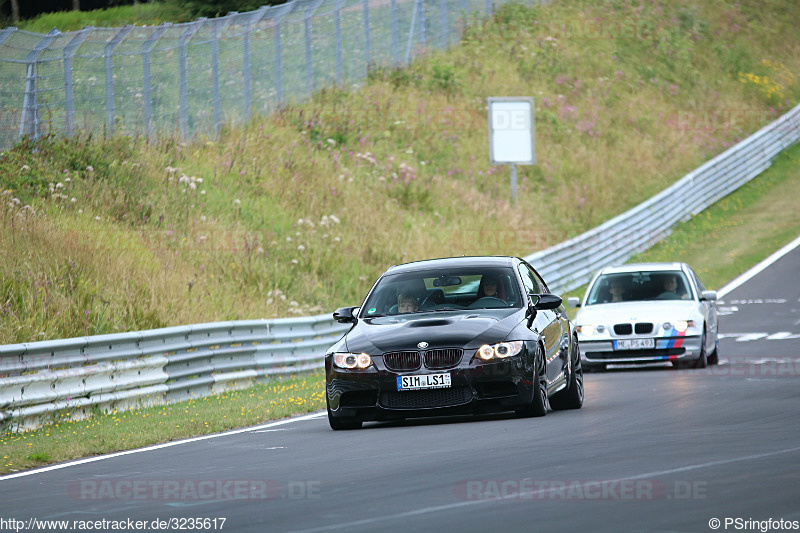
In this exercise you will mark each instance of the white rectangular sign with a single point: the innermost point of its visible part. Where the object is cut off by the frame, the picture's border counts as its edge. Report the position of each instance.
(512, 132)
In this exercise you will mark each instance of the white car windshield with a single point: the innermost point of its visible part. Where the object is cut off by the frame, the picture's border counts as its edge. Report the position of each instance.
(639, 286)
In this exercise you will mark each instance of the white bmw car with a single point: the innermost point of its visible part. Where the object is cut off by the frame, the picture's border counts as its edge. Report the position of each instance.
(645, 313)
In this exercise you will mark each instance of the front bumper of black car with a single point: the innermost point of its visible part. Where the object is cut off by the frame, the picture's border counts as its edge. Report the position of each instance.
(476, 387)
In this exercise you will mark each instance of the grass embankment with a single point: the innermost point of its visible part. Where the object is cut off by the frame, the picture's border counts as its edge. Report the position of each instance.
(149, 14)
(299, 212)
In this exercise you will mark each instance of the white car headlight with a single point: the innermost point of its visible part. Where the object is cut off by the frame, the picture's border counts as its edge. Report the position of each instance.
(500, 350)
(680, 325)
(352, 360)
(586, 330)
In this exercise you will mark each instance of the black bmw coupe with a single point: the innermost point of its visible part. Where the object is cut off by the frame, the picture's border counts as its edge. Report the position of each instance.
(451, 336)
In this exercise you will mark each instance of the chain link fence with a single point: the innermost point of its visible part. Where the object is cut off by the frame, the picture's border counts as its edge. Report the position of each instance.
(188, 79)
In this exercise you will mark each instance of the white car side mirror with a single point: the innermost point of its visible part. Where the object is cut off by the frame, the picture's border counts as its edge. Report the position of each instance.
(573, 301)
(709, 295)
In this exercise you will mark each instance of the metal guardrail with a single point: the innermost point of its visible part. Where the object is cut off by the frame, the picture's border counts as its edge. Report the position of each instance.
(40, 379)
(80, 375)
(570, 264)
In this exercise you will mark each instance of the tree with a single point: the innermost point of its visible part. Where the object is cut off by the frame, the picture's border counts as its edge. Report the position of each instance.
(15, 11)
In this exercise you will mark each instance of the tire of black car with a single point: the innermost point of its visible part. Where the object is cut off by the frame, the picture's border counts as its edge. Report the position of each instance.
(572, 396)
(539, 402)
(341, 423)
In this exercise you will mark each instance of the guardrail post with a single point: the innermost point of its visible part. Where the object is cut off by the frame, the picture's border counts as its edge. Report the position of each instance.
(69, 97)
(108, 54)
(183, 87)
(29, 121)
(147, 87)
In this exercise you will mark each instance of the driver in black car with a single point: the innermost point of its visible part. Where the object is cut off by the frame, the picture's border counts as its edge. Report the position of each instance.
(490, 288)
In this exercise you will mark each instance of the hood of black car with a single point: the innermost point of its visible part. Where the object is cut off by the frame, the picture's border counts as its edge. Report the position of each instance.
(439, 329)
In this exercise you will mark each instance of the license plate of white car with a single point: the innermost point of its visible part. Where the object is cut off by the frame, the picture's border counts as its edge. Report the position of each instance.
(635, 344)
(424, 381)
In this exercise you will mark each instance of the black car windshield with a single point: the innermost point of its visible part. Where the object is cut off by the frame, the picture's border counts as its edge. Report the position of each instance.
(638, 286)
(443, 290)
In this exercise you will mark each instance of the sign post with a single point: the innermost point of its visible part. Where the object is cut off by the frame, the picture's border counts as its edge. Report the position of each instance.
(512, 134)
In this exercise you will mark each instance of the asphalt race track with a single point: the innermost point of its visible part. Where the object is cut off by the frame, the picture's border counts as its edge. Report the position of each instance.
(653, 449)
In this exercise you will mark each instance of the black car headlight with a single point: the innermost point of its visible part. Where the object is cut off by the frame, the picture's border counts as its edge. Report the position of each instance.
(349, 361)
(501, 350)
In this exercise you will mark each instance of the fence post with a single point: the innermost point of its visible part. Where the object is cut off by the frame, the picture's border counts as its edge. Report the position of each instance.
(248, 97)
(423, 37)
(69, 97)
(278, 61)
(108, 54)
(309, 64)
(395, 35)
(30, 105)
(367, 47)
(147, 87)
(338, 36)
(183, 87)
(411, 31)
(216, 101)
(445, 36)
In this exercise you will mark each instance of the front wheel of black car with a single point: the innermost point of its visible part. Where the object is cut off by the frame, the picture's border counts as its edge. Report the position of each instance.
(341, 422)
(539, 402)
(572, 396)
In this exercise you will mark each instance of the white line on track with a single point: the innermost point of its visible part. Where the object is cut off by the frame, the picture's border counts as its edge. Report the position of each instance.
(536, 494)
(758, 268)
(252, 429)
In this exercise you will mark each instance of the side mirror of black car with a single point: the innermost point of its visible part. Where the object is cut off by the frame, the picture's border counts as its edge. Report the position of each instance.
(547, 301)
(345, 315)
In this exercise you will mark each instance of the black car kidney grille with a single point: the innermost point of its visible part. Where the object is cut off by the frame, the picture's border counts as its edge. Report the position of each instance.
(401, 361)
(423, 399)
(623, 329)
(445, 358)
(643, 327)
